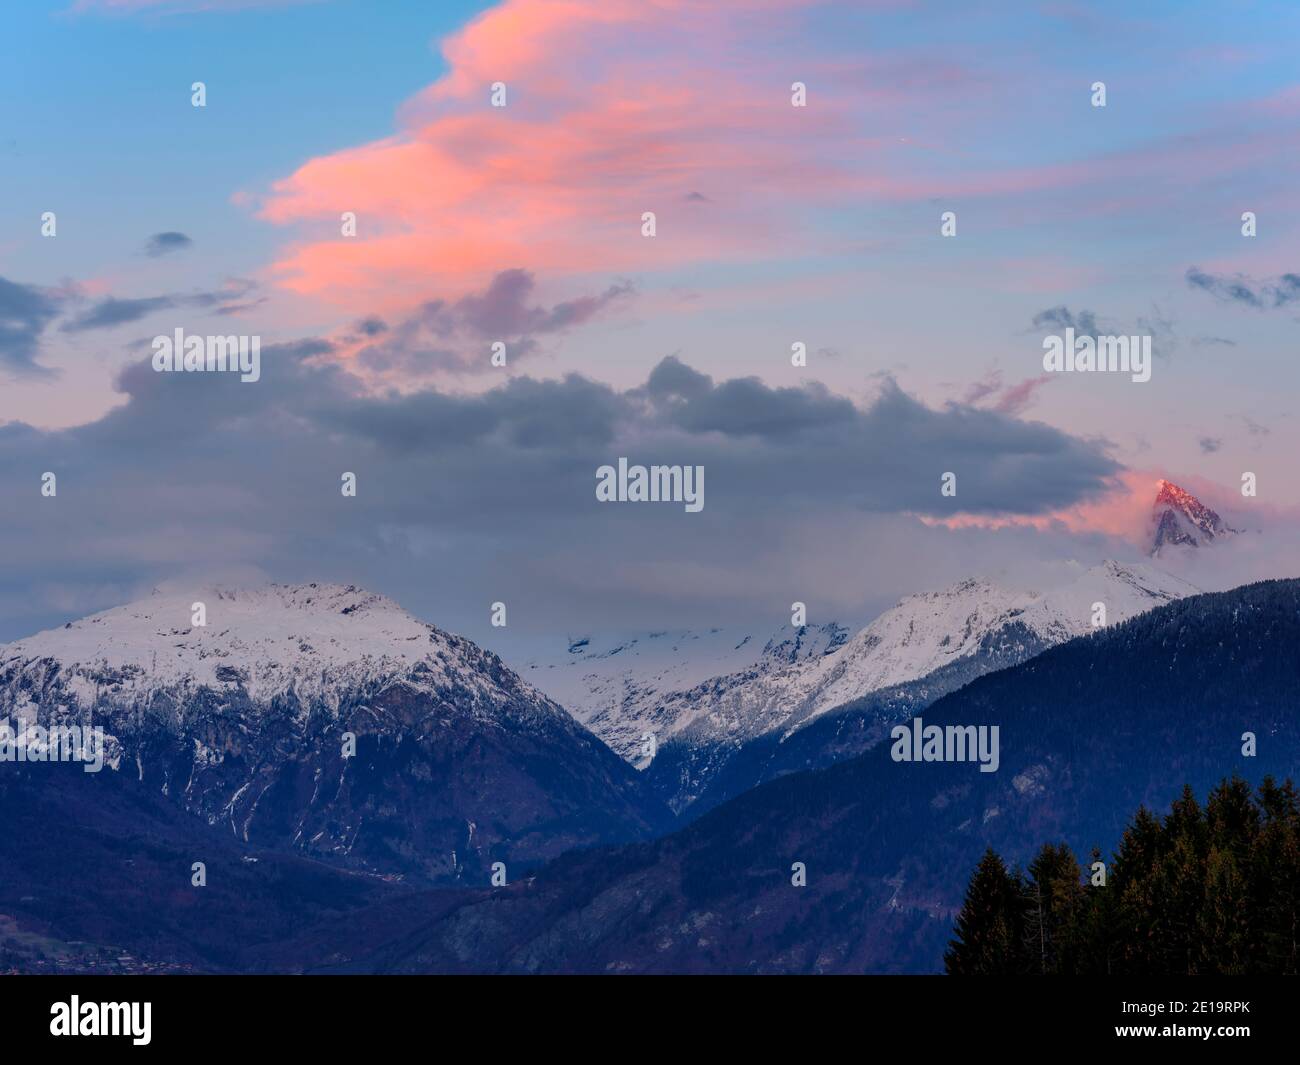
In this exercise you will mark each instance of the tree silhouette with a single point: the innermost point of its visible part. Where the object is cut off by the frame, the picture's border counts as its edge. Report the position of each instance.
(1213, 889)
(988, 933)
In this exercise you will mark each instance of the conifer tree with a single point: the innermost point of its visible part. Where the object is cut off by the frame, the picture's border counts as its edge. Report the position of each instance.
(1206, 890)
(1275, 881)
(988, 929)
(1131, 881)
(1091, 946)
(1053, 899)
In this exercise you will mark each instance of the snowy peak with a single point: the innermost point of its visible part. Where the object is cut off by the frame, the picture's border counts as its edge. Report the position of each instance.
(624, 687)
(1178, 517)
(976, 618)
(735, 730)
(918, 635)
(315, 641)
(1124, 589)
(324, 719)
(673, 686)
(794, 644)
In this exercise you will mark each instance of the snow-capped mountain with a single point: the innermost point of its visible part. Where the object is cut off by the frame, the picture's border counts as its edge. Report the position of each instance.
(312, 643)
(616, 686)
(1178, 517)
(1091, 731)
(932, 642)
(246, 721)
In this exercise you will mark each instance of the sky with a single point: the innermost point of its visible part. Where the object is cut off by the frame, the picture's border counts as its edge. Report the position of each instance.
(522, 224)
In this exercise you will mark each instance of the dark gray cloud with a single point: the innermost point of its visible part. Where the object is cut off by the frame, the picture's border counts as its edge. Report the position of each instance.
(464, 499)
(1164, 339)
(503, 310)
(779, 441)
(988, 385)
(1261, 295)
(455, 335)
(672, 379)
(1253, 427)
(114, 311)
(746, 407)
(1210, 444)
(163, 243)
(227, 309)
(25, 311)
(523, 413)
(1084, 323)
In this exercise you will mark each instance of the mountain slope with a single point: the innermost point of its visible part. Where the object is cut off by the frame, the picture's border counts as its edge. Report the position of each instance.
(244, 721)
(623, 688)
(736, 731)
(96, 876)
(1089, 730)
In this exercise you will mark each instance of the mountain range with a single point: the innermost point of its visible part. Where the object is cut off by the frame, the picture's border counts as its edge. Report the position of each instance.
(1090, 730)
(354, 779)
(814, 696)
(245, 722)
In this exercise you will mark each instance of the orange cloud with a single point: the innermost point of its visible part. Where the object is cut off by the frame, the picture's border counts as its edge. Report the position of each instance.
(614, 108)
(618, 107)
(1123, 512)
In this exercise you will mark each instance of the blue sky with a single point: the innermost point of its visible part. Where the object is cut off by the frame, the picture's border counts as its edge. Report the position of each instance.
(106, 131)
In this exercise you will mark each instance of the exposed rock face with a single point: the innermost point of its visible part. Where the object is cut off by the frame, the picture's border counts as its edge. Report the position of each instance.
(246, 722)
(1178, 517)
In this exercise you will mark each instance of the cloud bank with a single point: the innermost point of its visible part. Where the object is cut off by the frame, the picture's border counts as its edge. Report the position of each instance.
(464, 499)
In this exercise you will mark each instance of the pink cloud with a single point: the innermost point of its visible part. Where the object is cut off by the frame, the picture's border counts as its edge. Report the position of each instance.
(990, 393)
(619, 107)
(614, 108)
(1123, 511)
(1017, 398)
